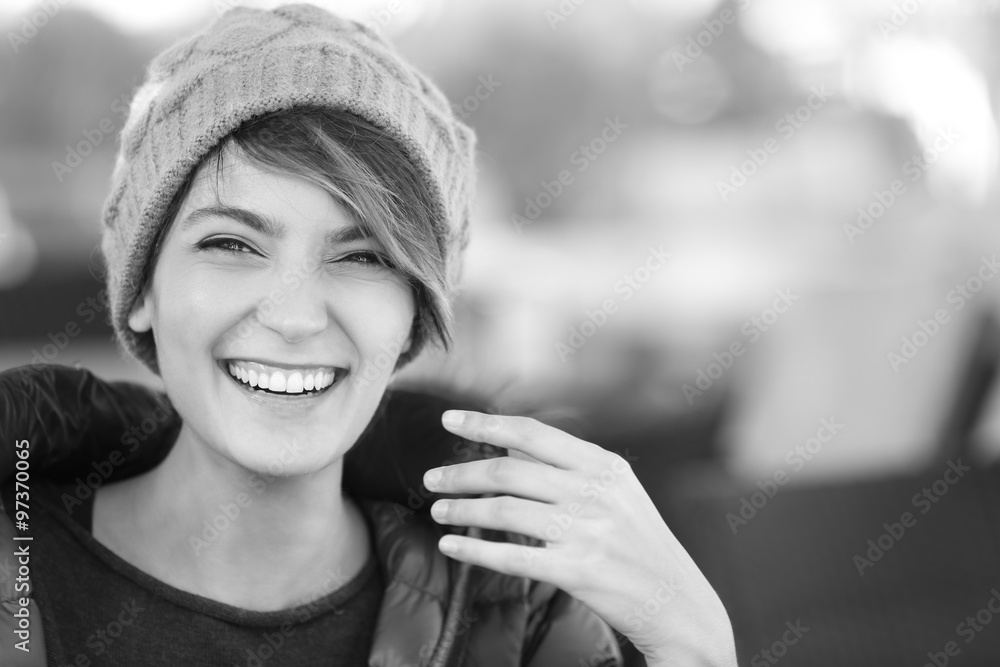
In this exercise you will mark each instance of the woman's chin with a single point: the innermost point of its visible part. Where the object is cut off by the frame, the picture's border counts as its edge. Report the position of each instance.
(286, 461)
(276, 452)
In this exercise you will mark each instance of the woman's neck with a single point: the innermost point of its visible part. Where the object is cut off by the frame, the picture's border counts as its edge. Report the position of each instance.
(206, 525)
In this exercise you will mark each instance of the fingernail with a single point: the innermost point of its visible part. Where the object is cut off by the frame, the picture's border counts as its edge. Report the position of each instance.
(439, 509)
(447, 545)
(432, 477)
(453, 417)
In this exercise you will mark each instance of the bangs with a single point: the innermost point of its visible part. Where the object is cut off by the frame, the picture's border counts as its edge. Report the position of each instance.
(370, 176)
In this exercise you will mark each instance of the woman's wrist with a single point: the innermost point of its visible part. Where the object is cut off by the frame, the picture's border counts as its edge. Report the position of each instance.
(710, 652)
(694, 640)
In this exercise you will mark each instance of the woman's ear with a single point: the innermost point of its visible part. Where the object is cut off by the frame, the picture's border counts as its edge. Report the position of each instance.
(140, 319)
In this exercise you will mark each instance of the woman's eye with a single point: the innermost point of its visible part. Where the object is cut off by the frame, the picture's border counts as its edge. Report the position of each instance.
(367, 257)
(229, 245)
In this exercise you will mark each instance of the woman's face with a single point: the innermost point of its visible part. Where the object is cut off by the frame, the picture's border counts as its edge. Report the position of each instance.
(269, 283)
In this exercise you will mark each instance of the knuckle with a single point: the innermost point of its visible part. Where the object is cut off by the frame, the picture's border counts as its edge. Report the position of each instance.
(603, 461)
(531, 558)
(526, 557)
(617, 463)
(529, 426)
(573, 578)
(500, 509)
(491, 423)
(497, 470)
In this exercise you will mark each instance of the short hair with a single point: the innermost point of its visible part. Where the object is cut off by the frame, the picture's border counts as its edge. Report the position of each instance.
(365, 171)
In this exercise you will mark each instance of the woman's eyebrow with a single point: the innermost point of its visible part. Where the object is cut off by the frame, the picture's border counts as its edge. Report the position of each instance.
(268, 226)
(348, 234)
(255, 221)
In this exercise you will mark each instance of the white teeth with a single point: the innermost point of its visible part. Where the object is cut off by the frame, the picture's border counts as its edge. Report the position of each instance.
(279, 380)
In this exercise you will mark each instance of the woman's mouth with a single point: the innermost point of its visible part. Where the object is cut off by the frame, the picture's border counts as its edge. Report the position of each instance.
(280, 381)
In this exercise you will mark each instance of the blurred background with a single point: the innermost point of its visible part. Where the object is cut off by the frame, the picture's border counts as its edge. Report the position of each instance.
(705, 231)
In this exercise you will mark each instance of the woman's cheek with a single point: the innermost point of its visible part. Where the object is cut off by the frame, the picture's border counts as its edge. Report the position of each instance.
(388, 319)
(196, 315)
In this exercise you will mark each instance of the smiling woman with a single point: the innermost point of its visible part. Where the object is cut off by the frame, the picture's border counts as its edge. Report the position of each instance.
(364, 172)
(288, 212)
(207, 279)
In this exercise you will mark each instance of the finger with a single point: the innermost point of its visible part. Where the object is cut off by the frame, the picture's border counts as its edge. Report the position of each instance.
(515, 454)
(514, 559)
(530, 436)
(505, 475)
(517, 515)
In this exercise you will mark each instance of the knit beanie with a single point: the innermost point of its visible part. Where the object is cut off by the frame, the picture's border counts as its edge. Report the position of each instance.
(250, 62)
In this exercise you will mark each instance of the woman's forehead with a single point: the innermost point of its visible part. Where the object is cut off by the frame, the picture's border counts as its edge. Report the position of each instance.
(267, 200)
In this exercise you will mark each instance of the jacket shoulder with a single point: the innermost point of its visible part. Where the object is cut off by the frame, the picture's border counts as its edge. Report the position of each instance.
(564, 631)
(556, 629)
(503, 620)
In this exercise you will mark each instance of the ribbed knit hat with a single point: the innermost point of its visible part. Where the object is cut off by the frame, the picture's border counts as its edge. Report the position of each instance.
(250, 62)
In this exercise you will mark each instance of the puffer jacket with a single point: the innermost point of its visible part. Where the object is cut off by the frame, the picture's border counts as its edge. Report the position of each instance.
(435, 611)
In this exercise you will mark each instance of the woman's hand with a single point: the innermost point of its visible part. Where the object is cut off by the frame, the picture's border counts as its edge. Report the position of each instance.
(606, 544)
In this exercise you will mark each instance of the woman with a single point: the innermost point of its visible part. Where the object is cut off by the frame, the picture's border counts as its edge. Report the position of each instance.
(284, 231)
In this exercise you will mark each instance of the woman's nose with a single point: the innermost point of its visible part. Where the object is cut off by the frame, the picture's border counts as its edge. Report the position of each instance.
(295, 311)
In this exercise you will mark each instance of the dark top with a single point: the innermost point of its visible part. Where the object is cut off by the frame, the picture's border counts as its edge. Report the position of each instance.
(98, 609)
